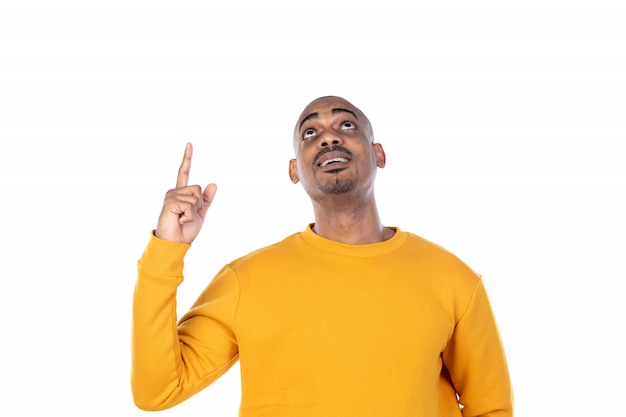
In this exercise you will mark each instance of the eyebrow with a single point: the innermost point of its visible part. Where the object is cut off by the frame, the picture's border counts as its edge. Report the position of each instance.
(334, 111)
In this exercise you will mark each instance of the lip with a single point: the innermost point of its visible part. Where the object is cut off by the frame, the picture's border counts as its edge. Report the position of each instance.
(327, 156)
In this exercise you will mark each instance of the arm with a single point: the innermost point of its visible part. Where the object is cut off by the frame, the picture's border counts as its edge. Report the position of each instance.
(172, 362)
(476, 362)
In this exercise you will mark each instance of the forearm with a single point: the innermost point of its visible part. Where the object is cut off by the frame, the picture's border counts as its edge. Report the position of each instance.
(477, 363)
(156, 357)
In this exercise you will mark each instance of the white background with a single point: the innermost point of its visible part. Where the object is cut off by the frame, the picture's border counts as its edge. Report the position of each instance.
(503, 122)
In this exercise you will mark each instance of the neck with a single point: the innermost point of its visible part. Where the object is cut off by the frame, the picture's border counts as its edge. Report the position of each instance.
(353, 223)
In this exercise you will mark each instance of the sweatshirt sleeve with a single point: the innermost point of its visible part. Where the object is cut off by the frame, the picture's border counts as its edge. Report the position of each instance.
(476, 361)
(172, 361)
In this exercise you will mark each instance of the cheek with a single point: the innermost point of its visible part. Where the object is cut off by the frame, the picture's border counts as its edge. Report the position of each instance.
(304, 169)
(306, 173)
(306, 156)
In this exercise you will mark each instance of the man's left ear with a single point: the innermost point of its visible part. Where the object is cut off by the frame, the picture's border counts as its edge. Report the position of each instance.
(381, 159)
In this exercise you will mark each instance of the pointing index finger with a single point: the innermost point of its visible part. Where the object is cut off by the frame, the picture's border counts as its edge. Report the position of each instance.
(185, 166)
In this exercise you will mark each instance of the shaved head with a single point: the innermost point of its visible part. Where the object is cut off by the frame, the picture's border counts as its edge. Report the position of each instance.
(339, 105)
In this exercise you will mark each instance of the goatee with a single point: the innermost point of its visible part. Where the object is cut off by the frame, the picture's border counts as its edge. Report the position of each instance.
(338, 186)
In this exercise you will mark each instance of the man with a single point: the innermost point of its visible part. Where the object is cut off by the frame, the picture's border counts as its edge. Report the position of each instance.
(347, 318)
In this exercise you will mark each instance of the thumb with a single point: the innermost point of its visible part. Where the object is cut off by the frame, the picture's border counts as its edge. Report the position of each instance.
(207, 198)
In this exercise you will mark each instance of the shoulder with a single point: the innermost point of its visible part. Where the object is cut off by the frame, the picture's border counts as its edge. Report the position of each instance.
(441, 261)
(419, 243)
(270, 254)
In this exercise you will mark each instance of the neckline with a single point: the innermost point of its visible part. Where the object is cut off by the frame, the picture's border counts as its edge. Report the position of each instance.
(363, 251)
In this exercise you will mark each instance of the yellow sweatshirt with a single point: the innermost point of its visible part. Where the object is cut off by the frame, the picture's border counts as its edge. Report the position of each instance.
(396, 328)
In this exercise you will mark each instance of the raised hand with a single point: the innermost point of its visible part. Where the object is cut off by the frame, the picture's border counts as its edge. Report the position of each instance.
(185, 206)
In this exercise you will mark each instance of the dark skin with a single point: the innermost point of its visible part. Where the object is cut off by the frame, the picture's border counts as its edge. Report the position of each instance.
(342, 191)
(185, 206)
(335, 160)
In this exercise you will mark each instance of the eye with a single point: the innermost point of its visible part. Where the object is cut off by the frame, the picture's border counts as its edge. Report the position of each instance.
(309, 133)
(348, 125)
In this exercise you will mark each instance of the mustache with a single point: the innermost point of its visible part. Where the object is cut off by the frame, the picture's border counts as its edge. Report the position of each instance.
(331, 149)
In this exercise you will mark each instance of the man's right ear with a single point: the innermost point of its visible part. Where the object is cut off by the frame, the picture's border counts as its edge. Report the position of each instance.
(293, 171)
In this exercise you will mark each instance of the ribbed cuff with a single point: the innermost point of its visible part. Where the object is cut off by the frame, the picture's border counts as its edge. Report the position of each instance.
(164, 258)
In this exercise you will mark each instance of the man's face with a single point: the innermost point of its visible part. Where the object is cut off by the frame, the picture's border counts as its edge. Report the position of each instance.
(335, 153)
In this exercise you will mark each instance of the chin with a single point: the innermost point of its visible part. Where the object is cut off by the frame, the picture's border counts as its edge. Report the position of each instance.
(338, 186)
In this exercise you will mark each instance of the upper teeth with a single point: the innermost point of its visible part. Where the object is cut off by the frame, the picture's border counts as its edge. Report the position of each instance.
(328, 161)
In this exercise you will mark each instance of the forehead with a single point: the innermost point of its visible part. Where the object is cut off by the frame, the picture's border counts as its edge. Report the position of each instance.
(326, 105)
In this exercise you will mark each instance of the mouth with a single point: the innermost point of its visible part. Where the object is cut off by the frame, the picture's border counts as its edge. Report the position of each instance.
(333, 159)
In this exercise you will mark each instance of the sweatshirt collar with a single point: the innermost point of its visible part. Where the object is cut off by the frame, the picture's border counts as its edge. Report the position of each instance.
(365, 250)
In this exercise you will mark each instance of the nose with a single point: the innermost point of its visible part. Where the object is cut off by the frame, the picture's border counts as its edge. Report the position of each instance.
(328, 139)
(325, 143)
